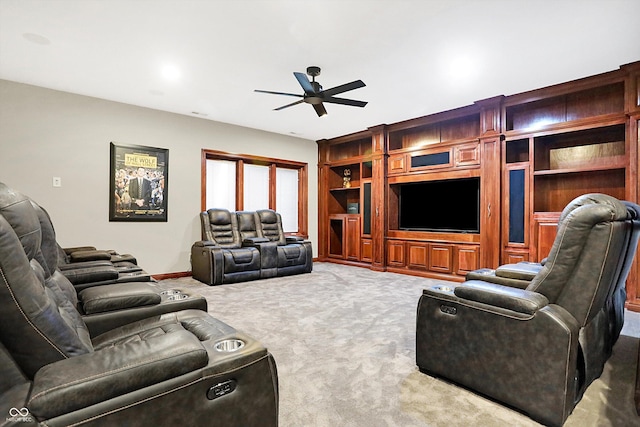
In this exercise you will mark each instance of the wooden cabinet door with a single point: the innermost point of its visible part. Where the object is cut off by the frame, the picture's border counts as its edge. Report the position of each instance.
(545, 230)
(366, 252)
(514, 256)
(352, 238)
(467, 258)
(441, 258)
(418, 255)
(397, 163)
(395, 252)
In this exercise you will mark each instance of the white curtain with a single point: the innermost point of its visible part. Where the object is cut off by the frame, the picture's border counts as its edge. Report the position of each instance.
(221, 184)
(256, 187)
(287, 198)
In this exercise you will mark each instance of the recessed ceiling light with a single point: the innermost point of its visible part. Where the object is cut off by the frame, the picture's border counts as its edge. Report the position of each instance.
(36, 38)
(171, 72)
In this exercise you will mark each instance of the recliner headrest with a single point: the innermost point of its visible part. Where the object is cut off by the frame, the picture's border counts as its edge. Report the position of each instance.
(219, 216)
(20, 214)
(592, 198)
(268, 216)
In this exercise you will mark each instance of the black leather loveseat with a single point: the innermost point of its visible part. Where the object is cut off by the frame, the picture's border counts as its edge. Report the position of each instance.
(244, 245)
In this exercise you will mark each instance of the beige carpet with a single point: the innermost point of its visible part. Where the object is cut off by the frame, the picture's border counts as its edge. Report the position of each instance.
(344, 342)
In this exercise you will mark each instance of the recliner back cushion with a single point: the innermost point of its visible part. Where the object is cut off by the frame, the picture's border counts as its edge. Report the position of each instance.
(34, 330)
(584, 257)
(270, 226)
(219, 226)
(246, 225)
(38, 327)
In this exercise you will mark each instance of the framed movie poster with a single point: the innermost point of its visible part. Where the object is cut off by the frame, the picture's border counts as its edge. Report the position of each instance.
(139, 183)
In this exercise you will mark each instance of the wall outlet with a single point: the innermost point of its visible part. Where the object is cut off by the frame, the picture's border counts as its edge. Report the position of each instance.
(57, 181)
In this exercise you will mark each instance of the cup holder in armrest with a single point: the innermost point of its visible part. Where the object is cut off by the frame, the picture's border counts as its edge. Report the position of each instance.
(229, 346)
(443, 288)
(174, 295)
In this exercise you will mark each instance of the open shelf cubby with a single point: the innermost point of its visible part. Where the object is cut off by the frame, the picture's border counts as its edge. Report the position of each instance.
(591, 149)
(554, 192)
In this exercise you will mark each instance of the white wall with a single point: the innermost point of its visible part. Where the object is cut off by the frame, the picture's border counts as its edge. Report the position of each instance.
(46, 133)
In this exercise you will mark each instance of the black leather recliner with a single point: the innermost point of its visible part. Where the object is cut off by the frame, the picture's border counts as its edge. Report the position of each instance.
(537, 349)
(246, 245)
(220, 257)
(89, 267)
(180, 368)
(294, 254)
(521, 274)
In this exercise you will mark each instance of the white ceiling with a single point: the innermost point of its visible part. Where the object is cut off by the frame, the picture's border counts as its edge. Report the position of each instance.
(416, 56)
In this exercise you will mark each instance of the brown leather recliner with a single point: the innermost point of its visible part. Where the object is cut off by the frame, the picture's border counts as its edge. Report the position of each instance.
(181, 368)
(536, 349)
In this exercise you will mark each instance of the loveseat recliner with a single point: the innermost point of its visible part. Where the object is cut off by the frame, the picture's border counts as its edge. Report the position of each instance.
(178, 368)
(245, 245)
(537, 349)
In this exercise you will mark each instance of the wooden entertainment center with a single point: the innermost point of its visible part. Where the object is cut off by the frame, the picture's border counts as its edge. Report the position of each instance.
(532, 153)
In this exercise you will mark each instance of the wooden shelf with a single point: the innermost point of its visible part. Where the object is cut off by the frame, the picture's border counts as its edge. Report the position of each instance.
(619, 164)
(345, 188)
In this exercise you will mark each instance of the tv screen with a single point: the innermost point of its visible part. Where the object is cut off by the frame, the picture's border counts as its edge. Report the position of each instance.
(451, 205)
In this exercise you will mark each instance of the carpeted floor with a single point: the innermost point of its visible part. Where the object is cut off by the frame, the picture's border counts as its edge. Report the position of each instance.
(344, 342)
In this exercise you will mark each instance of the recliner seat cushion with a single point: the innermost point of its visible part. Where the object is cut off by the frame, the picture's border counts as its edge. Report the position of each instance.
(290, 255)
(241, 259)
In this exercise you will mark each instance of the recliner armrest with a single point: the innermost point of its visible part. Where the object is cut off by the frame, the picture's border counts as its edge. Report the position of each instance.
(518, 300)
(70, 250)
(294, 239)
(250, 241)
(85, 264)
(204, 243)
(521, 271)
(99, 299)
(85, 380)
(79, 256)
(79, 276)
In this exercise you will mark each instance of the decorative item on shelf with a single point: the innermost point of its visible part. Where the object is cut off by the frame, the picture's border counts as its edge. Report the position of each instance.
(346, 181)
(353, 208)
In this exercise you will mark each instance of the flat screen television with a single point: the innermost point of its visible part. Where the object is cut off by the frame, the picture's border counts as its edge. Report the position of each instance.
(451, 205)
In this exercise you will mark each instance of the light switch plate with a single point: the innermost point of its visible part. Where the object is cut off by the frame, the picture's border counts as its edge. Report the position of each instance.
(57, 181)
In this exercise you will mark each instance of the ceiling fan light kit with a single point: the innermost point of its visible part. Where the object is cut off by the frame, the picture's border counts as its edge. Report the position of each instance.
(316, 96)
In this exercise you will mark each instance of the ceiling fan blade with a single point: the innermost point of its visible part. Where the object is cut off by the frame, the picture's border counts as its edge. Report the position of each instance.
(343, 88)
(343, 101)
(278, 93)
(288, 105)
(305, 83)
(320, 110)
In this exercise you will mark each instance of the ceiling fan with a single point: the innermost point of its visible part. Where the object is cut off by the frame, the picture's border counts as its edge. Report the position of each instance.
(314, 95)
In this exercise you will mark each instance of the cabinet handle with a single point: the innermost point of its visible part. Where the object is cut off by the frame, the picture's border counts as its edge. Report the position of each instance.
(489, 209)
(377, 211)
